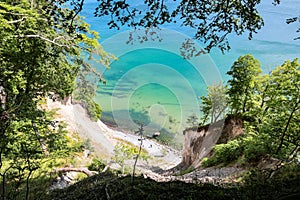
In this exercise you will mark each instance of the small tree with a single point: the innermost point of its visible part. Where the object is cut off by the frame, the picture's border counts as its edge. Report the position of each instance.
(122, 152)
(214, 104)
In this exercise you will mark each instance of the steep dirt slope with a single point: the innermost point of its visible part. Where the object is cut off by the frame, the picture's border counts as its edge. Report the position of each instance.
(198, 142)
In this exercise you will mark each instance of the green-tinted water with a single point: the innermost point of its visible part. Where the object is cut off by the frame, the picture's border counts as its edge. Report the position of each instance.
(152, 86)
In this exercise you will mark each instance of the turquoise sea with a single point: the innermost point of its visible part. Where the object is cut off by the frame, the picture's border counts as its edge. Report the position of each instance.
(151, 83)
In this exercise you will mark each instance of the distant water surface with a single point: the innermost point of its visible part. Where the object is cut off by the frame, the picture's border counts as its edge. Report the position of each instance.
(151, 83)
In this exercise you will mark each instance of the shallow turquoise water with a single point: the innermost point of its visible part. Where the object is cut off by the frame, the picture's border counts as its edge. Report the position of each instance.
(152, 83)
(160, 84)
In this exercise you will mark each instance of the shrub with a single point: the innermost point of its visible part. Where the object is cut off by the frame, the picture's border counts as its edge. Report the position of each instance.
(224, 153)
(255, 146)
(126, 152)
(97, 165)
(94, 110)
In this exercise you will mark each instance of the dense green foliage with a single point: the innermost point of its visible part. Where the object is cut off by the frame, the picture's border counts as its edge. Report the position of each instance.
(244, 72)
(42, 49)
(224, 153)
(270, 107)
(97, 165)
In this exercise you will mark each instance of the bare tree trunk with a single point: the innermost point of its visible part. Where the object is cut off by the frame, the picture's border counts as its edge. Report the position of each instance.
(212, 116)
(136, 159)
(41, 140)
(286, 127)
(3, 127)
(3, 183)
(220, 113)
(3, 186)
(82, 170)
(140, 149)
(2, 97)
(27, 184)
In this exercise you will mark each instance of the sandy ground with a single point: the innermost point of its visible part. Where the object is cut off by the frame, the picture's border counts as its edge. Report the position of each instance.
(103, 139)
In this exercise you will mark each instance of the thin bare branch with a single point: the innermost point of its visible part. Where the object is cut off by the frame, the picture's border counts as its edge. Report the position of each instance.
(43, 38)
(16, 21)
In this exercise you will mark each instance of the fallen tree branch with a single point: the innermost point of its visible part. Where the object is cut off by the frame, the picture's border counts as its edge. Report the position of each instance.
(107, 167)
(82, 170)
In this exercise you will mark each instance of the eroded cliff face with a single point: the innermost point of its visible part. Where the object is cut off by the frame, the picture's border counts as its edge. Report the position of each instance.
(199, 142)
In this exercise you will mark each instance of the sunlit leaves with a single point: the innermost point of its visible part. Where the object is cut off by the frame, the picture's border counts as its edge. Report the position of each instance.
(215, 103)
(282, 107)
(270, 107)
(43, 47)
(244, 74)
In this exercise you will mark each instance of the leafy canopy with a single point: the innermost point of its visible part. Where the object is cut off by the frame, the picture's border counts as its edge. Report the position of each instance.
(270, 107)
(211, 21)
(43, 47)
(244, 73)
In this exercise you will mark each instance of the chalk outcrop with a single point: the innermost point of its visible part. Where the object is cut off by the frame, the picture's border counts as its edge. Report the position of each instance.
(199, 142)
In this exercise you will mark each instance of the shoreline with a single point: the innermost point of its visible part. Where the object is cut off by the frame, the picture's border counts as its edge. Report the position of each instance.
(166, 140)
(104, 138)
